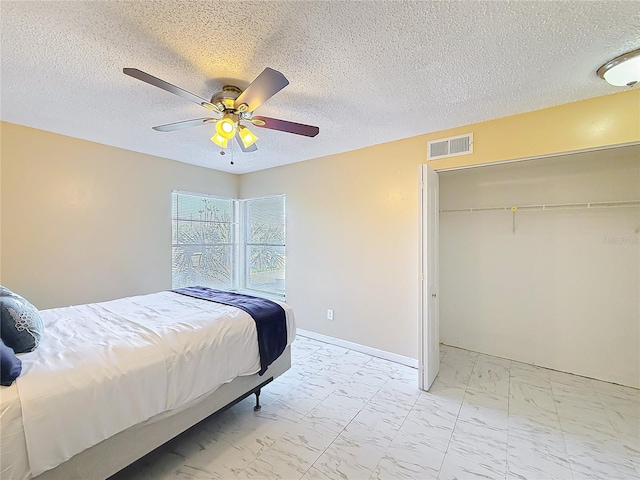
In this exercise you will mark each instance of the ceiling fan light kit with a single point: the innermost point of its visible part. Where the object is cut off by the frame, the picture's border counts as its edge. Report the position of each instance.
(622, 71)
(219, 140)
(235, 105)
(247, 136)
(226, 126)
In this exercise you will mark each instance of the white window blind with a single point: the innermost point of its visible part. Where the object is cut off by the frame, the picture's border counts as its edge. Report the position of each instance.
(203, 241)
(211, 248)
(264, 246)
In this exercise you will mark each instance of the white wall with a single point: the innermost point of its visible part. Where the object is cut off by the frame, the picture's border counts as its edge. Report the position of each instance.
(564, 290)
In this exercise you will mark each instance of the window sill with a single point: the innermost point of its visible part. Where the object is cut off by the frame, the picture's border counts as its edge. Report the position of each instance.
(268, 296)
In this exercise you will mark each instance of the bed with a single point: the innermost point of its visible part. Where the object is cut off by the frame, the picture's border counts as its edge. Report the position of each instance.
(112, 381)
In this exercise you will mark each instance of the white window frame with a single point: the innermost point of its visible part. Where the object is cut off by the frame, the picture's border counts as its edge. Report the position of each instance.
(239, 267)
(243, 267)
(234, 225)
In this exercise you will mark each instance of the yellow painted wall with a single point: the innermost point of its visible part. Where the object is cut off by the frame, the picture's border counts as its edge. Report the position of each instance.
(593, 123)
(352, 218)
(84, 222)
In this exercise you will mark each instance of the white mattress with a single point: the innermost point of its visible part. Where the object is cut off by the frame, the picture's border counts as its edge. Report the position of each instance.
(102, 368)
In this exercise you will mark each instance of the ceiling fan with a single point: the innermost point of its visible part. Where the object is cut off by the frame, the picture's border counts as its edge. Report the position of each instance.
(233, 106)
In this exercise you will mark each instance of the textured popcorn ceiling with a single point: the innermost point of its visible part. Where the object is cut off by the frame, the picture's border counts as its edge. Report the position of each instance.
(364, 72)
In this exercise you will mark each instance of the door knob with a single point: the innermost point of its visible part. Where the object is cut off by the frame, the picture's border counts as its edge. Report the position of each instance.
(433, 295)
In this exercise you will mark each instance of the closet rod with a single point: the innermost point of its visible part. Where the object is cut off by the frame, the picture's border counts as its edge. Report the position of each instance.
(557, 206)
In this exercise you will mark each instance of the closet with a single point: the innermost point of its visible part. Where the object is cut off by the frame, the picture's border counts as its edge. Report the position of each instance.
(540, 262)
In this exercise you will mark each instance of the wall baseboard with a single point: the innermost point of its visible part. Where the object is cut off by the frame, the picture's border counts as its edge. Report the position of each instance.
(374, 352)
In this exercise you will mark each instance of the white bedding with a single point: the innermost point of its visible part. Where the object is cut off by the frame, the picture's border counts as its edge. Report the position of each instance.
(102, 368)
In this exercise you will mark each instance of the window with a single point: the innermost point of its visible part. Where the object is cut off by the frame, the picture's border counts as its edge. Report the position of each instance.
(229, 244)
(203, 241)
(264, 254)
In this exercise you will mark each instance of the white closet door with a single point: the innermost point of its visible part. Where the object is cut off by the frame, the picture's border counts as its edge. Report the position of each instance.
(429, 351)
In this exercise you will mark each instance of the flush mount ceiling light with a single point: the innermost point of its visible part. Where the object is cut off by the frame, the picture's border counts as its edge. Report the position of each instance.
(622, 71)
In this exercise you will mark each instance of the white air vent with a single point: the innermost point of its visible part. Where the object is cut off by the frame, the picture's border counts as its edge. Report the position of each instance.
(450, 147)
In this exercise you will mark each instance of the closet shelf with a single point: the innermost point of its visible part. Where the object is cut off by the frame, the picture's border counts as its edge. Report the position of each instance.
(557, 206)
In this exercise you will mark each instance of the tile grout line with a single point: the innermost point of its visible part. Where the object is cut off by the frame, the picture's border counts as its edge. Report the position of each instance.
(303, 416)
(609, 412)
(397, 431)
(348, 423)
(458, 415)
(396, 434)
(571, 466)
(555, 406)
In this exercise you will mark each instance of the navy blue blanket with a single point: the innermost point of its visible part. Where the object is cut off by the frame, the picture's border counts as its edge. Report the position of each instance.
(271, 323)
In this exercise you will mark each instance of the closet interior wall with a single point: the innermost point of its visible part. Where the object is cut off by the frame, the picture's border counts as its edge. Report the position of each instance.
(561, 291)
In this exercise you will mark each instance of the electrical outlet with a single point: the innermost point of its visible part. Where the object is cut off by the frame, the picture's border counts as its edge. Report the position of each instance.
(329, 314)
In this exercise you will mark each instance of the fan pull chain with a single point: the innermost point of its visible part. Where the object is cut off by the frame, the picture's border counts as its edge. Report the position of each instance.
(232, 154)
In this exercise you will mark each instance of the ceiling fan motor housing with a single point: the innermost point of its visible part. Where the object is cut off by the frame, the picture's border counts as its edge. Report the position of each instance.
(227, 97)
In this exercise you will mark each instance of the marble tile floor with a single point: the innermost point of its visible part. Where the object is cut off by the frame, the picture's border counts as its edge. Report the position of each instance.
(340, 414)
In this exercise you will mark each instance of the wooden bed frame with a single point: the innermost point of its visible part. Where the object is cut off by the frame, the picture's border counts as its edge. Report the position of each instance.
(115, 453)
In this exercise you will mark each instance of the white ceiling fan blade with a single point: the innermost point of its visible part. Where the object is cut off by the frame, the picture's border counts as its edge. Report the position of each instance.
(170, 127)
(265, 86)
(156, 82)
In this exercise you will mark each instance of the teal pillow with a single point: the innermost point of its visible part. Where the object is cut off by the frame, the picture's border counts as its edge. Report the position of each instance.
(20, 323)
